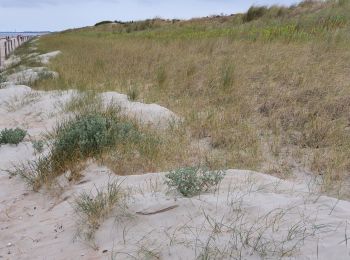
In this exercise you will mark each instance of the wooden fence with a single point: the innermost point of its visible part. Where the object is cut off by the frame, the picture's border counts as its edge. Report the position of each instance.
(9, 44)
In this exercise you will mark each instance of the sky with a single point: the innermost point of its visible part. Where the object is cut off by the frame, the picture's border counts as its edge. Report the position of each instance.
(56, 15)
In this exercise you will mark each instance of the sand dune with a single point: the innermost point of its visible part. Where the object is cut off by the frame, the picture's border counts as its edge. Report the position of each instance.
(43, 226)
(250, 215)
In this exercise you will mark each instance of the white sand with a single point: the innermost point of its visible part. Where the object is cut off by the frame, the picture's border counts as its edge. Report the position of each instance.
(146, 113)
(45, 58)
(13, 60)
(30, 75)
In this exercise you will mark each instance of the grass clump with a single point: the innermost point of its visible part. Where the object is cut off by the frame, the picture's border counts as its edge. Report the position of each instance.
(133, 93)
(12, 136)
(34, 173)
(82, 102)
(254, 13)
(88, 135)
(92, 208)
(100, 134)
(192, 181)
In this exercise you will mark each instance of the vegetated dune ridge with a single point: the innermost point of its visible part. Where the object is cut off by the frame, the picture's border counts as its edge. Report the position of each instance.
(249, 216)
(268, 89)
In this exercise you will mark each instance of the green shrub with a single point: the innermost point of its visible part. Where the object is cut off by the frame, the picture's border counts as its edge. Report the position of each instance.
(85, 136)
(12, 136)
(88, 135)
(192, 181)
(254, 13)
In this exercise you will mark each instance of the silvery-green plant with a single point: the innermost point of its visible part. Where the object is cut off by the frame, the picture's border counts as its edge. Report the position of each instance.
(191, 181)
(12, 136)
(2, 78)
(38, 146)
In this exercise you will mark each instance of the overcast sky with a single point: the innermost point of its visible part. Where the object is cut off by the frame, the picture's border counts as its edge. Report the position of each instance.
(53, 15)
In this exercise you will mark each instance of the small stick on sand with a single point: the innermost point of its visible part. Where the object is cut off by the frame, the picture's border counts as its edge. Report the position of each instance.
(158, 211)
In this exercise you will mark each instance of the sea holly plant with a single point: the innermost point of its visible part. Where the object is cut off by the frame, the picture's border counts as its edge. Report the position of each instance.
(38, 146)
(2, 78)
(191, 181)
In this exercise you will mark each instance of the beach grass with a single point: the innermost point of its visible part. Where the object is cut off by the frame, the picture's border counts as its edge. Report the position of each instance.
(267, 90)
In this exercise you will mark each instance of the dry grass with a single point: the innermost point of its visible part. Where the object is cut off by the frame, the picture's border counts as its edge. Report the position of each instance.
(270, 95)
(94, 207)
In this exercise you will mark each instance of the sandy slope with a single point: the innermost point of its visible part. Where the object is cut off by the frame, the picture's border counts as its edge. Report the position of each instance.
(37, 226)
(250, 216)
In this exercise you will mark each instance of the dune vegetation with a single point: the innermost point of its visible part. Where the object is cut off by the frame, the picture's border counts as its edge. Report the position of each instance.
(157, 139)
(268, 90)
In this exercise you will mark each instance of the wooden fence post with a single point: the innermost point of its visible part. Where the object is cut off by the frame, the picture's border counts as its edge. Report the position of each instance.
(0, 56)
(9, 44)
(5, 43)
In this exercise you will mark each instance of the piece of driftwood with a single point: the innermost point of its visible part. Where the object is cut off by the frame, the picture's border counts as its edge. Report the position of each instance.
(147, 213)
